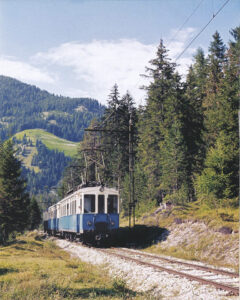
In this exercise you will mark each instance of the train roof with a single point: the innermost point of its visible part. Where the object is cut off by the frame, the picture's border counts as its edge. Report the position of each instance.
(87, 190)
(97, 189)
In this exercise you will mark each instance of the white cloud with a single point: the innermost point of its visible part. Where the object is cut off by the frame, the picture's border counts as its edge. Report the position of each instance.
(98, 65)
(9, 66)
(91, 69)
(179, 39)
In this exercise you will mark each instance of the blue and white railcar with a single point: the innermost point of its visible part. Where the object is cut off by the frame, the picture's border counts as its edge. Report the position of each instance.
(88, 213)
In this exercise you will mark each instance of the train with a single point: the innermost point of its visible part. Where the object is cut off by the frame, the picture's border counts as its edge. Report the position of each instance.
(90, 214)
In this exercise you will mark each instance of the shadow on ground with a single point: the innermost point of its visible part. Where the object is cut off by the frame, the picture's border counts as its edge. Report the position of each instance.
(4, 271)
(141, 236)
(91, 293)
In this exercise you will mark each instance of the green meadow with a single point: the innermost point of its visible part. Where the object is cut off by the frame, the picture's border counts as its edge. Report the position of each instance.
(50, 140)
(32, 268)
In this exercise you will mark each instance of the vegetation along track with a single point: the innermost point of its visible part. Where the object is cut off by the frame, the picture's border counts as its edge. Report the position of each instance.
(220, 279)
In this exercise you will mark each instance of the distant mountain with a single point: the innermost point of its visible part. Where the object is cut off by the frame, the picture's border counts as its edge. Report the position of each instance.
(24, 106)
(45, 129)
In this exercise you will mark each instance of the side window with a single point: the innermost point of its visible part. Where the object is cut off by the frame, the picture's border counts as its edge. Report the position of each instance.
(89, 203)
(101, 204)
(75, 206)
(112, 203)
(67, 209)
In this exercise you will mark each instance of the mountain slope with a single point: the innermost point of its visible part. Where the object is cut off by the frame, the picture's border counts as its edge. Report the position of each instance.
(23, 106)
(51, 141)
(42, 157)
(45, 128)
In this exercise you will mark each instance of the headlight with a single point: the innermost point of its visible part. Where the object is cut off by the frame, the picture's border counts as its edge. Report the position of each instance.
(89, 223)
(112, 223)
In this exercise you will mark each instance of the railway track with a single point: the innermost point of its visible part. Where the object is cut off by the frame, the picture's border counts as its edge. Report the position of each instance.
(219, 279)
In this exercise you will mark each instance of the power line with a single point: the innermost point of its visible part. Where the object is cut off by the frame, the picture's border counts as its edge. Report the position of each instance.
(214, 15)
(188, 18)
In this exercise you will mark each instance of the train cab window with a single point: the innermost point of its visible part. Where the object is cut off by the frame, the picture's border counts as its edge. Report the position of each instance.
(112, 203)
(101, 204)
(89, 203)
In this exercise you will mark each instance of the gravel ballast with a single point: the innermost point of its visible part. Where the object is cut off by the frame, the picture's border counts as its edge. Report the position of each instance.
(145, 279)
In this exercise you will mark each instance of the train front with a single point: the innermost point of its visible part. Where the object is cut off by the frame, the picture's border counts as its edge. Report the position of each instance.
(101, 215)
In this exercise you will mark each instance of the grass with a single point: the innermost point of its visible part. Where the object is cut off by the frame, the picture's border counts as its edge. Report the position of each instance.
(31, 268)
(207, 249)
(27, 160)
(214, 218)
(51, 141)
(195, 212)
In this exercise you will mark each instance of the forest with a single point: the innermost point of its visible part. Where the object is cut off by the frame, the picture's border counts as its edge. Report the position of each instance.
(51, 164)
(23, 106)
(185, 140)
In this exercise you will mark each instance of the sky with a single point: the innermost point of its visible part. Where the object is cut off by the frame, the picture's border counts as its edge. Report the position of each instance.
(81, 48)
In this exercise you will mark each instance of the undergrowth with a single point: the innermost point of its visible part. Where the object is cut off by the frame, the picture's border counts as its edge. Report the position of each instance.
(196, 232)
(196, 212)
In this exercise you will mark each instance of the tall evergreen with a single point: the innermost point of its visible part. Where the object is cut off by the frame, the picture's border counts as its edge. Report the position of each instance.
(162, 148)
(116, 138)
(219, 179)
(14, 200)
(215, 76)
(34, 214)
(194, 118)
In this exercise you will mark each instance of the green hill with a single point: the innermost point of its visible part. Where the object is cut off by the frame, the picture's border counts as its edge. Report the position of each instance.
(45, 127)
(51, 141)
(44, 158)
(23, 106)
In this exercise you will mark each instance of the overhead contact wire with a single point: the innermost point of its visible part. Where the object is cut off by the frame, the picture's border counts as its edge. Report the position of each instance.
(188, 18)
(214, 15)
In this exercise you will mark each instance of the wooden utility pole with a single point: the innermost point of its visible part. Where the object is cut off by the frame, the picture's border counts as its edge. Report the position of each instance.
(131, 173)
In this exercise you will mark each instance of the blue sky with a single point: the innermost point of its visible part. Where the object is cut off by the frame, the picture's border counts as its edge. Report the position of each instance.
(82, 47)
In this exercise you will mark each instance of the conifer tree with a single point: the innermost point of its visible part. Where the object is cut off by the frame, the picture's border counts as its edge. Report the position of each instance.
(215, 75)
(193, 118)
(162, 148)
(14, 200)
(34, 214)
(219, 179)
(116, 138)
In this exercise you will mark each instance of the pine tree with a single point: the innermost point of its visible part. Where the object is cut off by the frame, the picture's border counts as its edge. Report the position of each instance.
(219, 179)
(14, 200)
(34, 214)
(162, 148)
(115, 140)
(193, 118)
(215, 75)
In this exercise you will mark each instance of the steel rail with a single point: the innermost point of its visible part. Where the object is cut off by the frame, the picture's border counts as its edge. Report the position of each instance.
(233, 290)
(203, 268)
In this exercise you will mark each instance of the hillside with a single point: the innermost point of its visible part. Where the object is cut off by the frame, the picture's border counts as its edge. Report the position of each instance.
(51, 141)
(44, 158)
(45, 128)
(196, 232)
(23, 106)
